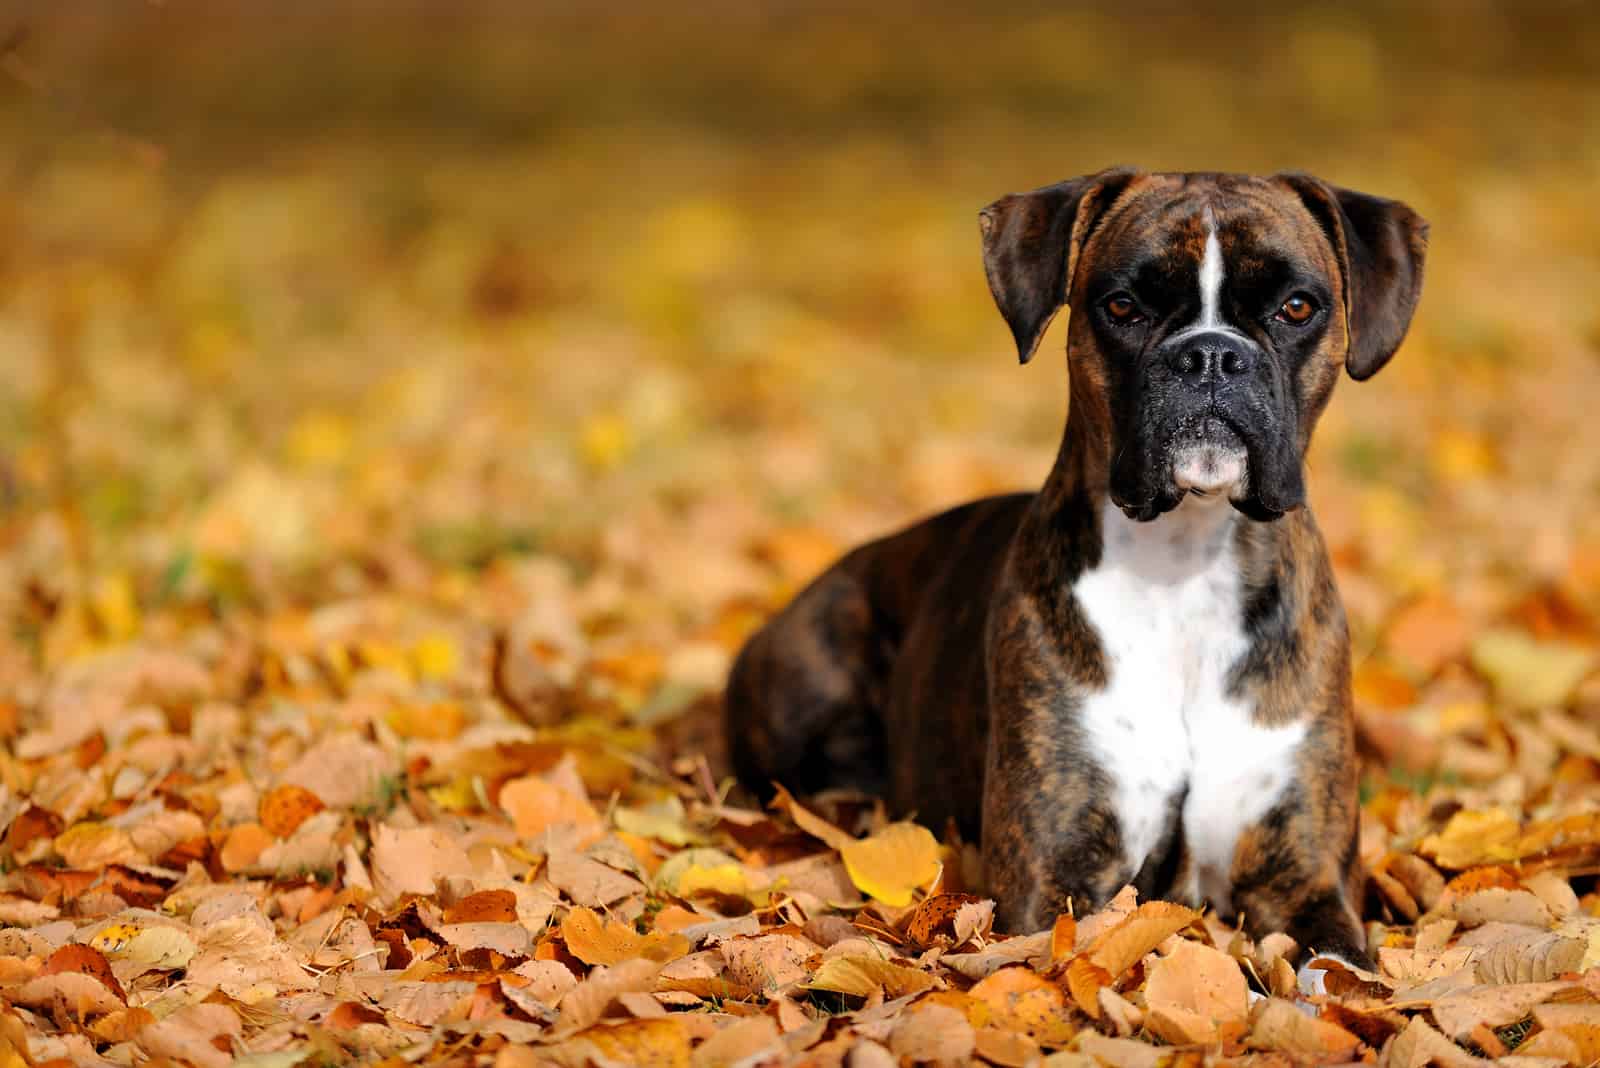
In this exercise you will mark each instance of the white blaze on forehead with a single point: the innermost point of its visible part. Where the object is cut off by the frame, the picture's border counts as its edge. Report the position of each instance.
(1212, 274)
(1211, 279)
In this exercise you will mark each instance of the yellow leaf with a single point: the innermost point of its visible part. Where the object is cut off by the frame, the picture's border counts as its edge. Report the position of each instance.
(722, 879)
(605, 441)
(87, 846)
(458, 795)
(319, 439)
(112, 939)
(1527, 672)
(892, 863)
(662, 820)
(1458, 455)
(1472, 837)
(437, 722)
(657, 1043)
(436, 657)
(860, 976)
(115, 606)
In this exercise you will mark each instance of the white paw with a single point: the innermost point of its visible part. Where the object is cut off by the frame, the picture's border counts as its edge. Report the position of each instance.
(1313, 981)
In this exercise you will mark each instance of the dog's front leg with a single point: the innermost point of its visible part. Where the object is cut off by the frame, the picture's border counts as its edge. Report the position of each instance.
(1051, 841)
(1287, 878)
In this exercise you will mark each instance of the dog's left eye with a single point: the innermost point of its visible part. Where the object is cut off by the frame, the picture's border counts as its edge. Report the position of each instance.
(1296, 310)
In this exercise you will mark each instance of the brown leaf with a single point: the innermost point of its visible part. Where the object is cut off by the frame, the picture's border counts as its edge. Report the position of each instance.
(810, 822)
(766, 963)
(741, 1042)
(932, 922)
(1493, 1006)
(1197, 994)
(932, 1033)
(588, 1001)
(587, 881)
(1279, 1025)
(1119, 948)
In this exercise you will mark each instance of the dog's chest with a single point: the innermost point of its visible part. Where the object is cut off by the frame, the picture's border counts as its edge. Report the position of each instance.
(1174, 742)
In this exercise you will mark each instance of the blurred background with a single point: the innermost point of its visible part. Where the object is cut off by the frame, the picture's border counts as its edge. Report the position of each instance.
(532, 352)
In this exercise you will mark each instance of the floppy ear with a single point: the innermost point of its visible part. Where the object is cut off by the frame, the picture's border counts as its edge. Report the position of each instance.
(1381, 246)
(1031, 243)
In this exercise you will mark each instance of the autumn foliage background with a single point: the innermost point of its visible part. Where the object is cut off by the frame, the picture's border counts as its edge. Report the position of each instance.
(405, 412)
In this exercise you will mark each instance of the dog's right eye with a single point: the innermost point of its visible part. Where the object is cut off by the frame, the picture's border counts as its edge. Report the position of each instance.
(1121, 309)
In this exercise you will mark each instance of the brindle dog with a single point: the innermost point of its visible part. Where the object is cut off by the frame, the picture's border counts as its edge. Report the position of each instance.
(1140, 673)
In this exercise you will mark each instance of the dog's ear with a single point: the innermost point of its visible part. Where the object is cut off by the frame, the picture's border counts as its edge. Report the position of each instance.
(1381, 246)
(1031, 243)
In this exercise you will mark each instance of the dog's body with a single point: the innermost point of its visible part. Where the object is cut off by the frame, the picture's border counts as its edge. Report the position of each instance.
(1140, 673)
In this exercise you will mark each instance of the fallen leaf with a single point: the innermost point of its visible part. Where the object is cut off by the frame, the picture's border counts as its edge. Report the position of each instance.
(536, 805)
(1276, 1024)
(1021, 1000)
(1196, 994)
(84, 960)
(891, 864)
(284, 808)
(862, 976)
(594, 940)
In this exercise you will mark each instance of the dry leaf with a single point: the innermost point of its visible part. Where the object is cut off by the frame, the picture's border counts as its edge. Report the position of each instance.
(891, 864)
(1117, 949)
(1279, 1025)
(863, 976)
(932, 1033)
(1196, 994)
(536, 805)
(766, 963)
(594, 940)
(1021, 1000)
(485, 906)
(284, 808)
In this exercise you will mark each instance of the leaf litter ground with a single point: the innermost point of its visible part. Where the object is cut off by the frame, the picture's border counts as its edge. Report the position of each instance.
(373, 554)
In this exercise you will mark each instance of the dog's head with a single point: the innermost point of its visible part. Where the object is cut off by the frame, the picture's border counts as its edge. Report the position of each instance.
(1212, 313)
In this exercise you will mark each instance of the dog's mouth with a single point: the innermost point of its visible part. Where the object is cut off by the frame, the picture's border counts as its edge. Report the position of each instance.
(1209, 458)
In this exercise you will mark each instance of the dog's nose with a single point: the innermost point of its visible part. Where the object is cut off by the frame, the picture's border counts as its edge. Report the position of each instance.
(1207, 357)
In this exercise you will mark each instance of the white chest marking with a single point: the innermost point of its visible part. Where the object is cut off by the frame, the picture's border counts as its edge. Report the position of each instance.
(1166, 602)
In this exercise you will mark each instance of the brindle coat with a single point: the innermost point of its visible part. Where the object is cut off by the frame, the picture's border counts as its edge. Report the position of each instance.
(945, 666)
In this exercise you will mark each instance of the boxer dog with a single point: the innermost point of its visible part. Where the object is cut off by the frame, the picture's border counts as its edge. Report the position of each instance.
(1141, 673)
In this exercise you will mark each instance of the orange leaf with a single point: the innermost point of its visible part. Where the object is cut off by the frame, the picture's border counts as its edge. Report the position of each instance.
(486, 906)
(933, 921)
(1063, 936)
(244, 846)
(535, 805)
(285, 808)
(84, 960)
(594, 940)
(1019, 999)
(809, 821)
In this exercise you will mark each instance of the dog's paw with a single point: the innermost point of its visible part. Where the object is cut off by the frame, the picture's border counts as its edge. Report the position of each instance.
(1313, 980)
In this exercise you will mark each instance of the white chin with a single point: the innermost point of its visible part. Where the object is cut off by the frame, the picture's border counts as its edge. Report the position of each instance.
(1209, 469)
